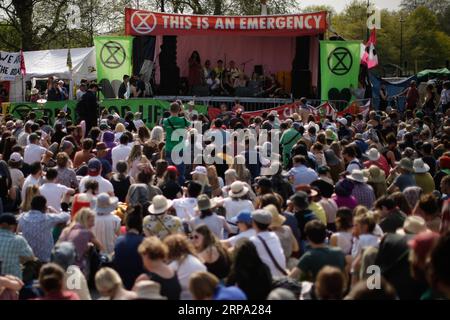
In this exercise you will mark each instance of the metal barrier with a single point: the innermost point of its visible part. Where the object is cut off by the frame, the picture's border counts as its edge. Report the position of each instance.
(255, 104)
(250, 104)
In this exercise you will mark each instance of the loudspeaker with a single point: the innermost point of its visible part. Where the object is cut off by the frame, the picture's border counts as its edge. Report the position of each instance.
(301, 83)
(259, 70)
(170, 73)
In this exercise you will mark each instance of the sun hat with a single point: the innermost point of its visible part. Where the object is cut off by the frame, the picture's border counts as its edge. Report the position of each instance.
(413, 225)
(205, 203)
(373, 154)
(15, 157)
(375, 174)
(237, 189)
(342, 121)
(105, 203)
(231, 172)
(358, 176)
(277, 218)
(149, 290)
(406, 164)
(311, 192)
(100, 146)
(159, 205)
(262, 216)
(94, 165)
(200, 170)
(420, 166)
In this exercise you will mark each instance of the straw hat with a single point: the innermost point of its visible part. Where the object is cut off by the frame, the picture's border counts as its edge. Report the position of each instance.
(149, 290)
(420, 166)
(205, 203)
(105, 203)
(373, 154)
(237, 189)
(159, 205)
(358, 176)
(406, 164)
(413, 225)
(277, 218)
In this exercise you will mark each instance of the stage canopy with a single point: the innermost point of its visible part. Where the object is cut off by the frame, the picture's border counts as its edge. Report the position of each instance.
(269, 42)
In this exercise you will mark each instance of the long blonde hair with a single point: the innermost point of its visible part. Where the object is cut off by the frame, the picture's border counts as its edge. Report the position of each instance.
(81, 217)
(213, 179)
(30, 192)
(239, 166)
(135, 153)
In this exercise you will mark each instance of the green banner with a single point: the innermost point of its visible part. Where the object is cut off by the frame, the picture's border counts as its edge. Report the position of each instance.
(339, 65)
(151, 109)
(114, 60)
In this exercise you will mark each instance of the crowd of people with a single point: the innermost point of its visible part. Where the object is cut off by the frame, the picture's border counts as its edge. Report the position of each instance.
(293, 209)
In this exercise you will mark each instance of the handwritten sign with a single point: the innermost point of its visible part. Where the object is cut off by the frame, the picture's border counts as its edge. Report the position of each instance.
(9, 65)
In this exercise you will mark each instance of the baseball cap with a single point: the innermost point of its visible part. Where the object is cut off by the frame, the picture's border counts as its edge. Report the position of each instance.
(8, 219)
(172, 168)
(229, 293)
(94, 165)
(262, 216)
(244, 217)
(15, 157)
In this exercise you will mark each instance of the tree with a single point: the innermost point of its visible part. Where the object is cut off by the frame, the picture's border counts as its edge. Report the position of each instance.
(436, 6)
(25, 19)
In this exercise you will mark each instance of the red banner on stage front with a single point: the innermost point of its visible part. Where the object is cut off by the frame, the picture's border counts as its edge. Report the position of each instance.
(139, 22)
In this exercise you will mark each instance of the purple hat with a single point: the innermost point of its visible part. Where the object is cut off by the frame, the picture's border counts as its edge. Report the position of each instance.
(108, 137)
(344, 188)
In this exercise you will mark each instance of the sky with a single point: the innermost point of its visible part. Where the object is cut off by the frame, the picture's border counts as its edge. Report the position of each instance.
(339, 5)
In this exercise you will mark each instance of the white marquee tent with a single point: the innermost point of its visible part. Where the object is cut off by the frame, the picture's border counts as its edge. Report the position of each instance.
(44, 63)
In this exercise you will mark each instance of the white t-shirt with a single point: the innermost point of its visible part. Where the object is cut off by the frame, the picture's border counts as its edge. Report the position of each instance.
(247, 234)
(233, 208)
(214, 222)
(364, 241)
(188, 266)
(119, 153)
(105, 230)
(53, 192)
(29, 181)
(33, 153)
(103, 184)
(274, 244)
(22, 139)
(185, 208)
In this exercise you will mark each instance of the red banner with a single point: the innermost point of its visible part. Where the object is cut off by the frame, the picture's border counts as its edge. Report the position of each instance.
(139, 22)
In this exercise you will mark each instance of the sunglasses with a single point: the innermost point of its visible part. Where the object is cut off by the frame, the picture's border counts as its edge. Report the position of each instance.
(194, 237)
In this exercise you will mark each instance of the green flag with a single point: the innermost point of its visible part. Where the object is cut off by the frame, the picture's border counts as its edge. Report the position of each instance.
(113, 62)
(339, 65)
